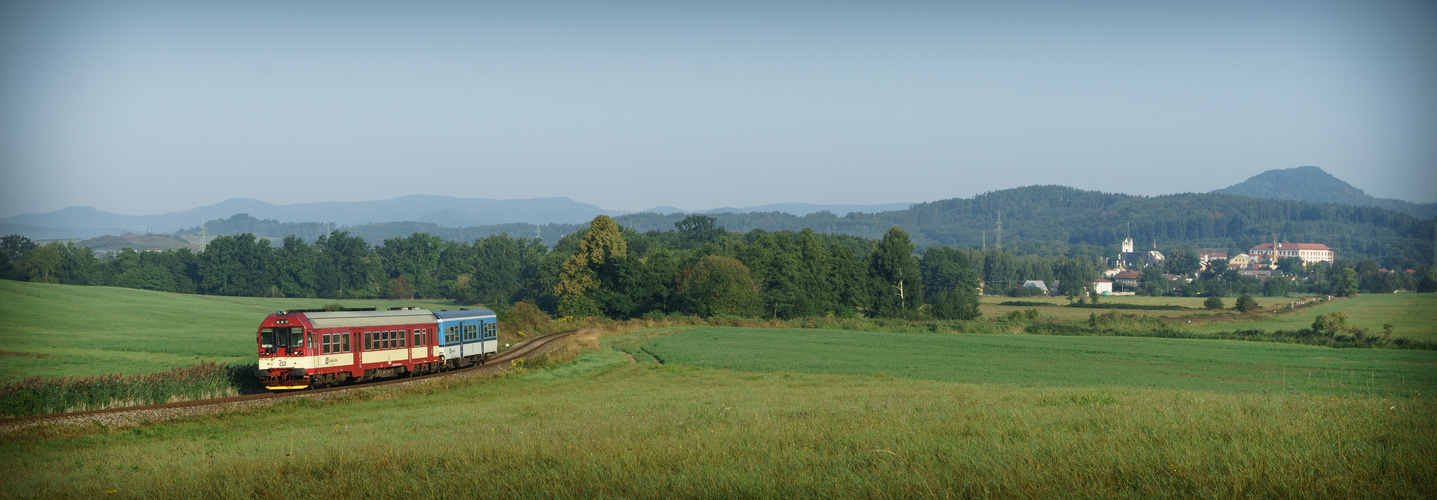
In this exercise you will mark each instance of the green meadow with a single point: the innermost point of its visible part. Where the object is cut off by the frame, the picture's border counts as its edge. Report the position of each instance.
(991, 306)
(1052, 361)
(79, 331)
(1412, 315)
(604, 426)
(722, 412)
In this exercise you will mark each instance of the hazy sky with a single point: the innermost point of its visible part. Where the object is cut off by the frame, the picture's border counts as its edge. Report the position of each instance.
(142, 108)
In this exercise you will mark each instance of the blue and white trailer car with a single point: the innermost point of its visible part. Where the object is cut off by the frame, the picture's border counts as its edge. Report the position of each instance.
(467, 336)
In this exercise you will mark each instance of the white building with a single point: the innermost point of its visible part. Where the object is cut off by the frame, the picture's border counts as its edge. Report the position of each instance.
(1308, 252)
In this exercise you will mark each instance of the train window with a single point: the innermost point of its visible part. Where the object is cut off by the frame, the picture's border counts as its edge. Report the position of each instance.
(266, 338)
(325, 342)
(296, 338)
(399, 337)
(416, 339)
(385, 335)
(368, 340)
(344, 342)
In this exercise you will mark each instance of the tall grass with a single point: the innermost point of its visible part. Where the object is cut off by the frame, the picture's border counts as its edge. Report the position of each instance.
(613, 429)
(39, 396)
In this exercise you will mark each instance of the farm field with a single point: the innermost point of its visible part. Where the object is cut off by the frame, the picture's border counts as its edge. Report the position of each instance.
(1413, 315)
(61, 330)
(1049, 361)
(989, 306)
(605, 426)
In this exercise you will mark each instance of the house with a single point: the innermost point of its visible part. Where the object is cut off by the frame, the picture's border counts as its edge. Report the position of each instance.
(1204, 257)
(1240, 261)
(1037, 284)
(1103, 287)
(1261, 274)
(1309, 252)
(1128, 278)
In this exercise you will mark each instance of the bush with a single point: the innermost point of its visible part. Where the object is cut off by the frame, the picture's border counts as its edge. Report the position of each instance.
(1245, 303)
(524, 319)
(1213, 303)
(578, 306)
(1025, 291)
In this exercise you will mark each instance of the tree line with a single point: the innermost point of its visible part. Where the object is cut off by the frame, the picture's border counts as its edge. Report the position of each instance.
(695, 267)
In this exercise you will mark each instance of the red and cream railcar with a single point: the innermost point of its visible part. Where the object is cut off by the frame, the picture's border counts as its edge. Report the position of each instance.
(299, 349)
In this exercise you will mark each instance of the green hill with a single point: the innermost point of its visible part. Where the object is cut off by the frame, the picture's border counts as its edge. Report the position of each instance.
(1312, 184)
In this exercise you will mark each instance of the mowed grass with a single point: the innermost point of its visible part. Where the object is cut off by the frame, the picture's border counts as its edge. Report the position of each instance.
(1413, 315)
(604, 427)
(60, 330)
(1049, 361)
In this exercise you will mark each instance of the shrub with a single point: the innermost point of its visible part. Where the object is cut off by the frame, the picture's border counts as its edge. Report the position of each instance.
(1245, 303)
(1330, 324)
(1213, 303)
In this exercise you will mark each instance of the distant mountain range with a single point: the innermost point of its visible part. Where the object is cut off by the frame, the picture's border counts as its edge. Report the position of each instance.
(1314, 185)
(441, 211)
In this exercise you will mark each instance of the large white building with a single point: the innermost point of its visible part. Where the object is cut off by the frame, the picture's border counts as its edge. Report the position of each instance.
(1308, 252)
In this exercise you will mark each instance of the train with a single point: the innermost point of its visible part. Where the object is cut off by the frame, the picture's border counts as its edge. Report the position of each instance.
(314, 348)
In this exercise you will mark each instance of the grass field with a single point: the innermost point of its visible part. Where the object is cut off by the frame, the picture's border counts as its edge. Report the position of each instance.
(1414, 315)
(604, 427)
(990, 308)
(1043, 361)
(61, 330)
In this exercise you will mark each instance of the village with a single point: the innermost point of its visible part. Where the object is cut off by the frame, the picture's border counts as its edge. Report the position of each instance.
(1271, 268)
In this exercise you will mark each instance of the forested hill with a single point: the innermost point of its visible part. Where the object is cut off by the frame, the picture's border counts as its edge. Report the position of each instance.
(1047, 219)
(1043, 220)
(1312, 184)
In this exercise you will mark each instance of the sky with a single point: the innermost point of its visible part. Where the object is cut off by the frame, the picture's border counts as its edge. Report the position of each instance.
(151, 107)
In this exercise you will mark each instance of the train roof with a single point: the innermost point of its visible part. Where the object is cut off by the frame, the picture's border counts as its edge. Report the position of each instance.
(464, 314)
(341, 319)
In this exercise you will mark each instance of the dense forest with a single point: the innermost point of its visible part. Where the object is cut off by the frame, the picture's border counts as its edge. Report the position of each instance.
(695, 266)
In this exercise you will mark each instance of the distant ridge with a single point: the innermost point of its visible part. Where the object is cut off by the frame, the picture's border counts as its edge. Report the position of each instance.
(441, 211)
(1314, 185)
(87, 222)
(798, 209)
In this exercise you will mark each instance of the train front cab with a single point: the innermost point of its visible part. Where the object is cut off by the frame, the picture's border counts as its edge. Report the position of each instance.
(467, 336)
(285, 344)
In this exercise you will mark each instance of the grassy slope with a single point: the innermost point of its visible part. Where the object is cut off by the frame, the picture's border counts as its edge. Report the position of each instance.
(1414, 315)
(1031, 360)
(604, 427)
(84, 331)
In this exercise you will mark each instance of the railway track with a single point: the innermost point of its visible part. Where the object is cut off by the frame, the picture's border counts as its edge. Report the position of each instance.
(526, 348)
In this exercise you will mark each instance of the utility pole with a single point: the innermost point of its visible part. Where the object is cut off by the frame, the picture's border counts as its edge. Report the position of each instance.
(203, 233)
(999, 240)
